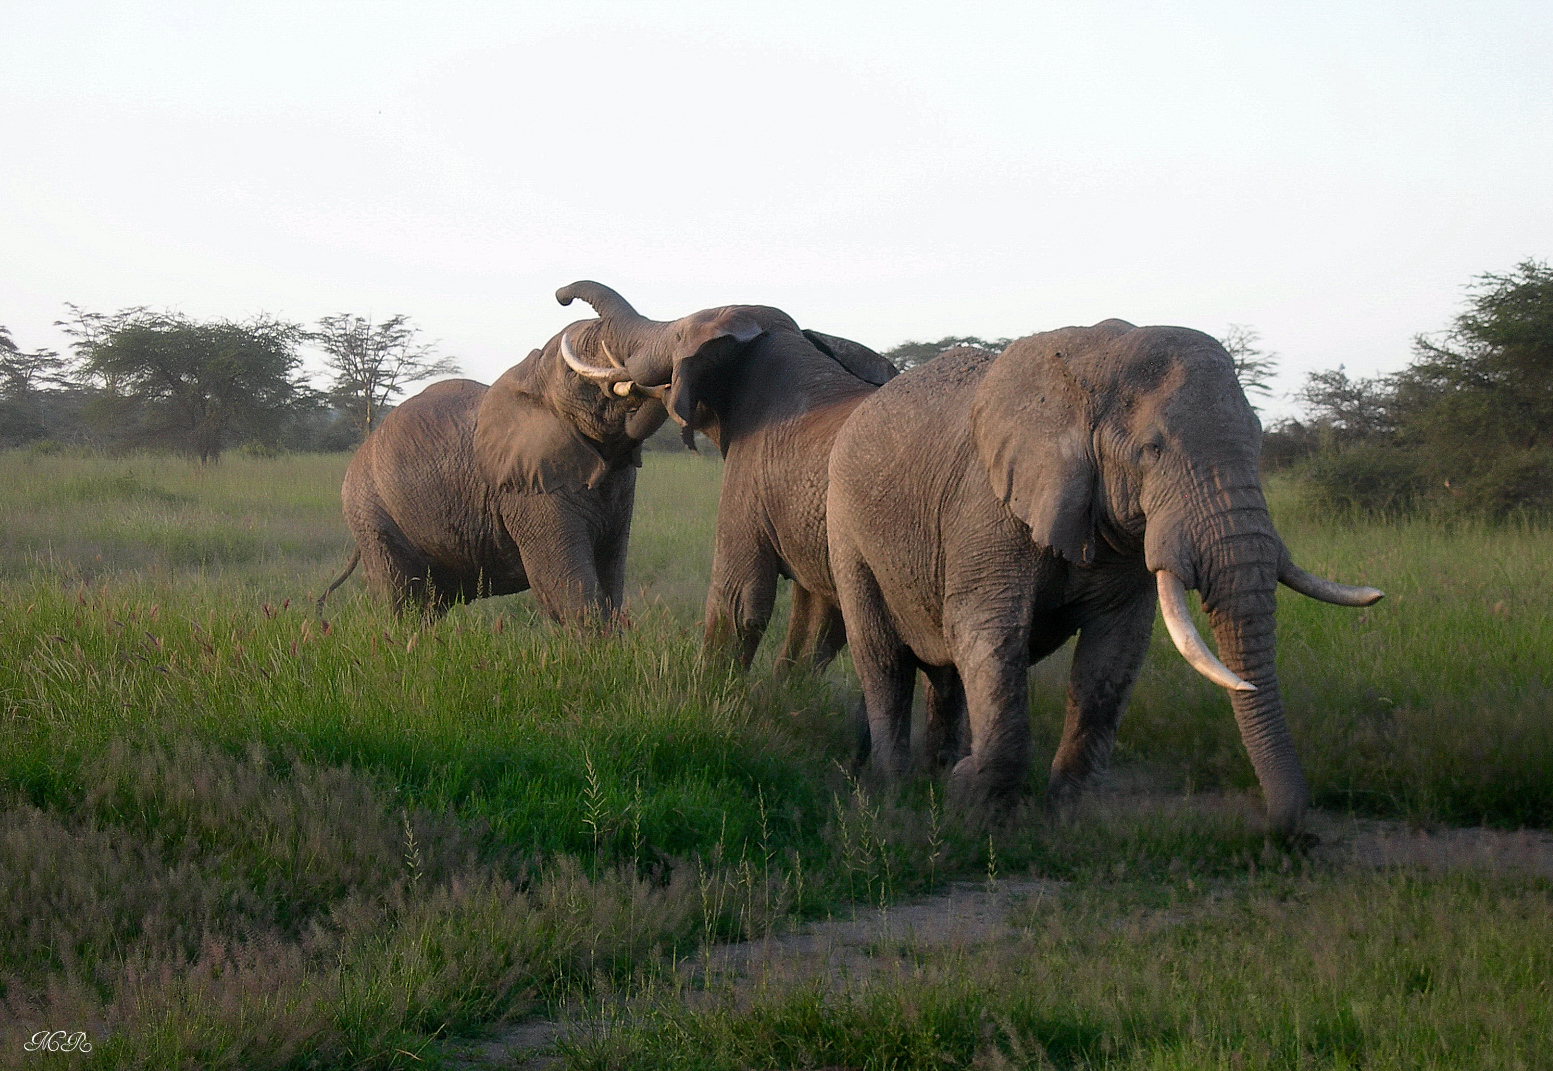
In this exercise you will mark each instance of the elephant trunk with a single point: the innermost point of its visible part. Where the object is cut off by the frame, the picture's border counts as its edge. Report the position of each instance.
(1238, 578)
(625, 347)
(605, 301)
(1217, 536)
(651, 360)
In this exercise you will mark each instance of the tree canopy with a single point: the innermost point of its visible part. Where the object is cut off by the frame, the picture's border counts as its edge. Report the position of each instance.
(194, 386)
(1488, 378)
(25, 378)
(1469, 422)
(911, 353)
(1254, 366)
(372, 363)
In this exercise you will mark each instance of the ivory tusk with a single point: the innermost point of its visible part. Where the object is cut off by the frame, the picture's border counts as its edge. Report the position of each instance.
(589, 371)
(1178, 620)
(613, 360)
(1315, 587)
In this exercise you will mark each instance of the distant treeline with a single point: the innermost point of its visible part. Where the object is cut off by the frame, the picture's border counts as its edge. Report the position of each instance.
(142, 379)
(1466, 428)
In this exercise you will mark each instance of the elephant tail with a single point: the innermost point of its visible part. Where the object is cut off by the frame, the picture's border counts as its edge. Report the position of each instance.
(350, 567)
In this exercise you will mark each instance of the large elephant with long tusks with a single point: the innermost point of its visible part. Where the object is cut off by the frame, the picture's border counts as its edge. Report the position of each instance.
(985, 508)
(771, 396)
(466, 490)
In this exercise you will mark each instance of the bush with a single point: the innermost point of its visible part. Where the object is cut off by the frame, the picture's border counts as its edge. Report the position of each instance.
(1391, 481)
(1287, 443)
(1497, 485)
(1371, 479)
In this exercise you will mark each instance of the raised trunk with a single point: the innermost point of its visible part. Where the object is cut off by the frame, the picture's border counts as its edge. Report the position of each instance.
(605, 302)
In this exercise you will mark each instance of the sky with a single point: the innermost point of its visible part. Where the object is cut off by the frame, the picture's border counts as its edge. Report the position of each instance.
(1331, 175)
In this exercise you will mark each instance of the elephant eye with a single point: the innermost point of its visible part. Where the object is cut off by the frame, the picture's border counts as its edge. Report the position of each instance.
(1151, 451)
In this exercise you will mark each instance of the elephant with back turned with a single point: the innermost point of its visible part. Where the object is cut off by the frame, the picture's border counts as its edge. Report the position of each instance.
(985, 508)
(467, 491)
(771, 396)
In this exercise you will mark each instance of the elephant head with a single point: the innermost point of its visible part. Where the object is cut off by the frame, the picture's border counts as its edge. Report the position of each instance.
(683, 361)
(1116, 441)
(557, 419)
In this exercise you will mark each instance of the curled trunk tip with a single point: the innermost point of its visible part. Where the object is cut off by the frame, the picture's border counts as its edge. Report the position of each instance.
(605, 301)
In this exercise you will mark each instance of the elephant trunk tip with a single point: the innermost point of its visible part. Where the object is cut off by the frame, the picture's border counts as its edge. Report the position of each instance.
(605, 301)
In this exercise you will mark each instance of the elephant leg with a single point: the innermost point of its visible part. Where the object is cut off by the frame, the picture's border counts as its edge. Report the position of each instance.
(815, 632)
(611, 567)
(886, 668)
(798, 626)
(739, 603)
(565, 583)
(387, 574)
(1112, 644)
(610, 554)
(556, 549)
(830, 636)
(944, 732)
(994, 667)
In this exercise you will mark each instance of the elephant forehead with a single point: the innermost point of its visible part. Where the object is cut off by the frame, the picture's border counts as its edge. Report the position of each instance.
(1151, 351)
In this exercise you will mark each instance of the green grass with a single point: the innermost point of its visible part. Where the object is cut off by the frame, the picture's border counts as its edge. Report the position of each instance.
(1372, 972)
(230, 837)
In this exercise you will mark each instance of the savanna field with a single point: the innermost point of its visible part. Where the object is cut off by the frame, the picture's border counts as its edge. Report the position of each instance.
(233, 835)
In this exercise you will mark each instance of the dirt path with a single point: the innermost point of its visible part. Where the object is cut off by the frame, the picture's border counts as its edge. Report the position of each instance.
(870, 942)
(1369, 842)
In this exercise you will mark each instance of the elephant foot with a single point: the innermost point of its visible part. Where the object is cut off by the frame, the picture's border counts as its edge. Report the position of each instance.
(975, 790)
(1064, 791)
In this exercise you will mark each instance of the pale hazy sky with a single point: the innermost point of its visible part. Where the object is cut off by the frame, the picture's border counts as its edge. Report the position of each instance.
(1330, 174)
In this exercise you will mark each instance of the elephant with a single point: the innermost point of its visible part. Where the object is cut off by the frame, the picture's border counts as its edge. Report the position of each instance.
(984, 508)
(467, 491)
(771, 396)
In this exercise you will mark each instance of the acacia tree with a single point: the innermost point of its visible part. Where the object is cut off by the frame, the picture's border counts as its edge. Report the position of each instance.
(24, 376)
(1468, 425)
(23, 373)
(371, 363)
(1254, 366)
(1486, 381)
(196, 387)
(911, 353)
(1353, 410)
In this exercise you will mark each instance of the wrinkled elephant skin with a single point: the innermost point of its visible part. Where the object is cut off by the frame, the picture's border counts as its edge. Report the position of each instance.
(772, 398)
(467, 491)
(983, 509)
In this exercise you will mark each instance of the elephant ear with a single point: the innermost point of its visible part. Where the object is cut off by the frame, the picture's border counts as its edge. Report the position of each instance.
(1031, 421)
(704, 346)
(855, 357)
(522, 445)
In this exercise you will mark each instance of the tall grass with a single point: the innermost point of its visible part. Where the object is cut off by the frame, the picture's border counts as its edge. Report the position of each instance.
(1374, 972)
(234, 835)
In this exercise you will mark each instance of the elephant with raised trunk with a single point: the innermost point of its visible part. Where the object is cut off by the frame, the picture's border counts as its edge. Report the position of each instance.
(466, 491)
(771, 396)
(985, 508)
